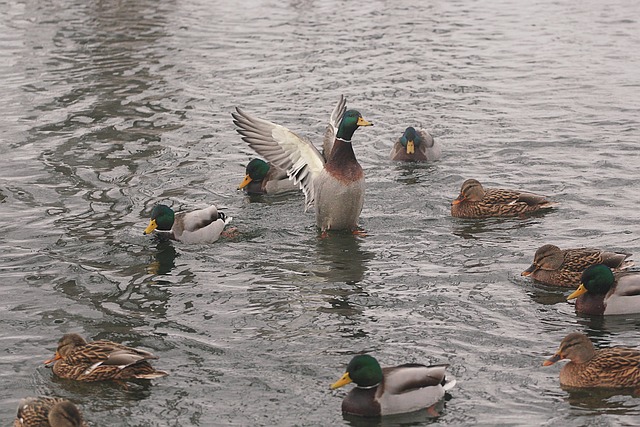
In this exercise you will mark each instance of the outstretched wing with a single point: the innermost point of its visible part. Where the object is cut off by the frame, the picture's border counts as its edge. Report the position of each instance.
(302, 161)
(332, 128)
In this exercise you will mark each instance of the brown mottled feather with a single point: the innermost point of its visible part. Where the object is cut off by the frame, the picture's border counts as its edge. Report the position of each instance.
(48, 412)
(475, 201)
(564, 267)
(102, 360)
(615, 367)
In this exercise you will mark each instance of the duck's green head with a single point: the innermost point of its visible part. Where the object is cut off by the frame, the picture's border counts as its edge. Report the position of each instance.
(257, 170)
(597, 279)
(351, 120)
(364, 370)
(161, 218)
(410, 139)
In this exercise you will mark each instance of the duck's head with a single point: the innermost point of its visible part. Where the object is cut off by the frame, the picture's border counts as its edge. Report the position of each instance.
(471, 190)
(66, 345)
(410, 139)
(364, 370)
(256, 170)
(547, 257)
(576, 347)
(351, 120)
(597, 280)
(65, 414)
(162, 217)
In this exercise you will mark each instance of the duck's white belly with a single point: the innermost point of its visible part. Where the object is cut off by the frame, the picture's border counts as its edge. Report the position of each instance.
(338, 206)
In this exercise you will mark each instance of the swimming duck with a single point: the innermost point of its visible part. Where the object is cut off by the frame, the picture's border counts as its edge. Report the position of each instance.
(101, 360)
(392, 390)
(48, 412)
(415, 145)
(615, 367)
(199, 226)
(477, 202)
(265, 178)
(564, 267)
(602, 293)
(334, 186)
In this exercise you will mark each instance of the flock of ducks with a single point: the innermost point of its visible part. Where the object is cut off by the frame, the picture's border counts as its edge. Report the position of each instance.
(333, 182)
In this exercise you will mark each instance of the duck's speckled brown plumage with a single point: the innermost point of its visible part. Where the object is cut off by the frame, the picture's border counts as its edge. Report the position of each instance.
(101, 360)
(475, 201)
(564, 267)
(615, 367)
(48, 412)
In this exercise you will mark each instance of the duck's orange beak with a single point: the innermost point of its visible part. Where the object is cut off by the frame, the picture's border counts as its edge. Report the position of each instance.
(459, 200)
(152, 226)
(363, 122)
(55, 357)
(553, 359)
(411, 148)
(529, 271)
(580, 291)
(245, 182)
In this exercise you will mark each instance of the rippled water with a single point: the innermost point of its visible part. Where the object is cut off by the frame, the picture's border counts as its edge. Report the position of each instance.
(109, 107)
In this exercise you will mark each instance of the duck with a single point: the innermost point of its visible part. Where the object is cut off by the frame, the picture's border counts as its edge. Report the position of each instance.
(415, 145)
(264, 178)
(615, 367)
(102, 360)
(196, 227)
(48, 412)
(334, 182)
(564, 267)
(392, 390)
(475, 201)
(603, 293)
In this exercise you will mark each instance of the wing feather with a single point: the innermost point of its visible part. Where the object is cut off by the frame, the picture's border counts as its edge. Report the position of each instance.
(298, 157)
(332, 129)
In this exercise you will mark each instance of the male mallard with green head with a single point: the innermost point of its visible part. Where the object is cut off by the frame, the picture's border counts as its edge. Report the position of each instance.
(48, 412)
(102, 360)
(264, 178)
(334, 186)
(603, 293)
(199, 226)
(415, 145)
(475, 201)
(615, 367)
(564, 267)
(393, 390)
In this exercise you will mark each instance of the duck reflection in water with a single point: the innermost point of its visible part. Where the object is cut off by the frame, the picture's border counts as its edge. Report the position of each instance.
(164, 257)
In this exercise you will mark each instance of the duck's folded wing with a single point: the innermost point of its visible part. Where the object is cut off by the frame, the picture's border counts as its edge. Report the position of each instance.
(332, 128)
(404, 378)
(302, 161)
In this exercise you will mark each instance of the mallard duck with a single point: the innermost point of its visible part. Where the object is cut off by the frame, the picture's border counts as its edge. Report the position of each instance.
(101, 360)
(48, 412)
(199, 226)
(564, 267)
(392, 390)
(615, 367)
(602, 293)
(265, 178)
(477, 202)
(415, 145)
(334, 186)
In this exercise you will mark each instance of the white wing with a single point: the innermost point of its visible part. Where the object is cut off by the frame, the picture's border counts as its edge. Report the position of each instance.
(302, 161)
(332, 128)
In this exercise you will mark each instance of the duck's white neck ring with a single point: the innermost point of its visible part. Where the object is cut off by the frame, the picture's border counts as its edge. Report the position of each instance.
(343, 140)
(369, 387)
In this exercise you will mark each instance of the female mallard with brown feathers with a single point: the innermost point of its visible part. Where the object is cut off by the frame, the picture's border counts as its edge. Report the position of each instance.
(199, 226)
(392, 390)
(101, 360)
(615, 367)
(475, 201)
(264, 178)
(603, 293)
(415, 145)
(48, 412)
(564, 267)
(334, 186)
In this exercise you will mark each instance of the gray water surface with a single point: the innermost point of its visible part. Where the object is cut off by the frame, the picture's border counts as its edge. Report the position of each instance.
(110, 107)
